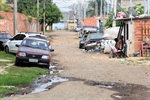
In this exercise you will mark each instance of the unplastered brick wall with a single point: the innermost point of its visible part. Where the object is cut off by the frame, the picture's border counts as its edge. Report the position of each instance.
(138, 32)
(6, 24)
(90, 21)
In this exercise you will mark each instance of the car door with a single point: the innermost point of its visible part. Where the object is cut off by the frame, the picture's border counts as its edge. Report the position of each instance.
(16, 40)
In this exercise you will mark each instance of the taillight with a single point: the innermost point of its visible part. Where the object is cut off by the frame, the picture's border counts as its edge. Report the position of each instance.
(49, 43)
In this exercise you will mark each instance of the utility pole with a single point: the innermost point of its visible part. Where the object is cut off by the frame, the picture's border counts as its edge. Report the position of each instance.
(115, 8)
(145, 7)
(84, 8)
(148, 7)
(37, 27)
(101, 5)
(96, 8)
(44, 17)
(15, 18)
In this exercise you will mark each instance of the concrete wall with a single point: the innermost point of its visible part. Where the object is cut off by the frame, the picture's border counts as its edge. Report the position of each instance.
(59, 26)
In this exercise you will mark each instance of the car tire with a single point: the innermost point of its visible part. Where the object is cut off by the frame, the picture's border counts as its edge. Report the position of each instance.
(80, 47)
(6, 49)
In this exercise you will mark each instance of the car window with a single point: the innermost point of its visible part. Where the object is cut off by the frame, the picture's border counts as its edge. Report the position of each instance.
(8, 36)
(17, 37)
(39, 36)
(22, 36)
(1, 36)
(35, 44)
(95, 36)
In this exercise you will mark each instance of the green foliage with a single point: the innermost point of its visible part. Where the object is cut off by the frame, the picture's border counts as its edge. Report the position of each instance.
(5, 7)
(9, 1)
(1, 16)
(30, 19)
(139, 9)
(29, 7)
(52, 14)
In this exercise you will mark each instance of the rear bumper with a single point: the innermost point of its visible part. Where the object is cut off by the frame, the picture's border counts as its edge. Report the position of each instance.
(27, 60)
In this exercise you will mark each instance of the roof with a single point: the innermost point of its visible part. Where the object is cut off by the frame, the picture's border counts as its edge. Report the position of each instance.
(136, 18)
(32, 38)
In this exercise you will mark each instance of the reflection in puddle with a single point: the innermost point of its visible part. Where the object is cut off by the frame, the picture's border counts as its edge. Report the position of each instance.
(45, 81)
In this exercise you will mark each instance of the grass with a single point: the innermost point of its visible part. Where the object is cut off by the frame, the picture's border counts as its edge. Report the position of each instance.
(5, 90)
(17, 76)
(3, 63)
(6, 56)
(20, 75)
(142, 59)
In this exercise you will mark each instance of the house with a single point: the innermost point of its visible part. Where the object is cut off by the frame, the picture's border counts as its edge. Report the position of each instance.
(136, 32)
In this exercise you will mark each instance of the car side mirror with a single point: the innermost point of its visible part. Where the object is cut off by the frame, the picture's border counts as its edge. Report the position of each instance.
(51, 50)
(17, 45)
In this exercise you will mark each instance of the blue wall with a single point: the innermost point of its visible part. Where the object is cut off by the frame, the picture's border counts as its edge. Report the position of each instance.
(59, 26)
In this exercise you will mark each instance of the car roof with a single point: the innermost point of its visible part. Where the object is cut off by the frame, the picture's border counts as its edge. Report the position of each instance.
(32, 38)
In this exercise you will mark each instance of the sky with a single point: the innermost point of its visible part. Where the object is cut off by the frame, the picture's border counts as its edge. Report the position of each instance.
(65, 4)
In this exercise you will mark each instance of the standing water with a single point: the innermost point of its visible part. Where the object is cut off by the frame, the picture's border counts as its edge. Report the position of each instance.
(45, 81)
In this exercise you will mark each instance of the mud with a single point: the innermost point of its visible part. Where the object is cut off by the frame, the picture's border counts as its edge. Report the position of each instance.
(125, 91)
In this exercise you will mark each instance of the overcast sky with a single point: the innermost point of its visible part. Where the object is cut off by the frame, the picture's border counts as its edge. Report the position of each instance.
(64, 4)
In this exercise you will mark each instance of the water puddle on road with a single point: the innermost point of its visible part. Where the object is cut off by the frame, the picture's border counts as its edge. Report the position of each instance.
(125, 91)
(45, 81)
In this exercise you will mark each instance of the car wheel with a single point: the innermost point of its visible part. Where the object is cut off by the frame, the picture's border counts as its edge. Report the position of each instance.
(80, 47)
(6, 49)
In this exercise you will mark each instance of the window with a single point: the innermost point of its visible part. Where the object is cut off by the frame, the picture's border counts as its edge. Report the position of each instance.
(17, 37)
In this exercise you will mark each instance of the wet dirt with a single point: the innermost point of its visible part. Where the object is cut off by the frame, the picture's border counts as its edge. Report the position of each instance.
(124, 91)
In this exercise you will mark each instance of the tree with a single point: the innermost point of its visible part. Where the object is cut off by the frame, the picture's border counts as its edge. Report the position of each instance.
(52, 14)
(4, 7)
(139, 10)
(91, 7)
(10, 1)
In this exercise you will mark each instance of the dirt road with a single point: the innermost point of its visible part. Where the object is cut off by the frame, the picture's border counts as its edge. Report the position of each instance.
(94, 75)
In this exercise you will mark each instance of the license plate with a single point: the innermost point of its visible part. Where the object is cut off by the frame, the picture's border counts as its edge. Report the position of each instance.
(33, 60)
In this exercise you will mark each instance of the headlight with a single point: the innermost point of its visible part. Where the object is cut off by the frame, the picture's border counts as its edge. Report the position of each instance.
(22, 54)
(45, 57)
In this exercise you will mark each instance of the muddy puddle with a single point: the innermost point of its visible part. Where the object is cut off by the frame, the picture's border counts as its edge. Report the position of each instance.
(44, 82)
(125, 91)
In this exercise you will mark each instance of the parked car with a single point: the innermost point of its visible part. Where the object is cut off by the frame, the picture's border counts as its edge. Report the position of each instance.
(3, 39)
(78, 28)
(91, 29)
(17, 39)
(92, 38)
(82, 40)
(43, 37)
(33, 50)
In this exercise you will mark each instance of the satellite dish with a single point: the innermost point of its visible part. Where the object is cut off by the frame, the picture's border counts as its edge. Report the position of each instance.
(132, 11)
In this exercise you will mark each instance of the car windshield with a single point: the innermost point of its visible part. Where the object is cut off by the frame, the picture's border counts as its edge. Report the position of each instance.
(96, 36)
(35, 44)
(5, 36)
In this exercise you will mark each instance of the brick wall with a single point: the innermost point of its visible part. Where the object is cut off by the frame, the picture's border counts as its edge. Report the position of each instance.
(6, 24)
(138, 31)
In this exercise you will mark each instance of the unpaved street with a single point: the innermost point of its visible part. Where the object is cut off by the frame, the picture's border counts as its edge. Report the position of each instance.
(93, 76)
